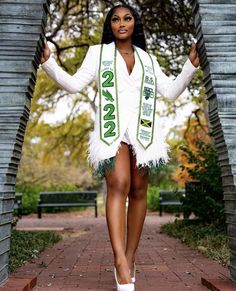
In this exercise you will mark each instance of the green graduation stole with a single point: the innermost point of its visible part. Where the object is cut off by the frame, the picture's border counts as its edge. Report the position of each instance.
(147, 103)
(108, 97)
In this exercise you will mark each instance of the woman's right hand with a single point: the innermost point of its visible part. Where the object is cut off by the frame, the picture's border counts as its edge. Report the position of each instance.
(45, 53)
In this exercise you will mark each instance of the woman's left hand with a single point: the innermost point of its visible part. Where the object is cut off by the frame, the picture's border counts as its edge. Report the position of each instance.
(193, 55)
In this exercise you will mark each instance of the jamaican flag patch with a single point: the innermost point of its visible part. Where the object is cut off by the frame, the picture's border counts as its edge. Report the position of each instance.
(146, 123)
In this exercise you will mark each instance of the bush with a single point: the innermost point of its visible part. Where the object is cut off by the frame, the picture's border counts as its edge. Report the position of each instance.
(30, 197)
(205, 197)
(153, 198)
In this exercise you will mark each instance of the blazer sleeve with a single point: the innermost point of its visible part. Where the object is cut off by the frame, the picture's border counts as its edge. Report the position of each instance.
(170, 88)
(84, 75)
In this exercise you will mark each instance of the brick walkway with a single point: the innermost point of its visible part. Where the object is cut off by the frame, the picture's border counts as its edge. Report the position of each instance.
(83, 259)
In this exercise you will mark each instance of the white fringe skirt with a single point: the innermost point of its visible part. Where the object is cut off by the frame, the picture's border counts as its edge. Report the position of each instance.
(102, 156)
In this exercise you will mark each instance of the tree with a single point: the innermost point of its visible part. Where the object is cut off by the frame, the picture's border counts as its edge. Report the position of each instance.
(199, 171)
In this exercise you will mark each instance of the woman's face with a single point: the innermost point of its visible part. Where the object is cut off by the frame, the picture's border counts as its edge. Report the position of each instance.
(122, 23)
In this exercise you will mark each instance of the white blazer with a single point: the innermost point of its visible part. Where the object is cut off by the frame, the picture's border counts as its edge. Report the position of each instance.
(128, 98)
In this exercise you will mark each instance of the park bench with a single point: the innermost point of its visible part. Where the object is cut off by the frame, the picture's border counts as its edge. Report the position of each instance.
(66, 199)
(18, 204)
(170, 197)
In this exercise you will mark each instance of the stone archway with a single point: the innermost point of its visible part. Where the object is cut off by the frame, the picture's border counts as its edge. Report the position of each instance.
(21, 36)
(215, 22)
(22, 31)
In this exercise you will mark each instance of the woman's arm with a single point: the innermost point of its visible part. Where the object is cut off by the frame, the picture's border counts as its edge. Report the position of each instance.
(73, 83)
(170, 88)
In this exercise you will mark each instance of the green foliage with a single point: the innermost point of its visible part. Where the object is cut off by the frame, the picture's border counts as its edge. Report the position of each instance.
(27, 245)
(153, 198)
(30, 197)
(207, 238)
(205, 197)
(161, 176)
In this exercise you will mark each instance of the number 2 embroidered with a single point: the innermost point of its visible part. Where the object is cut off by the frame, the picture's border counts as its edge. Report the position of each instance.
(109, 115)
(109, 107)
(109, 127)
(108, 82)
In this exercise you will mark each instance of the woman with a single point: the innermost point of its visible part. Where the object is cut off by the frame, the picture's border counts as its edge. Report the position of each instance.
(126, 140)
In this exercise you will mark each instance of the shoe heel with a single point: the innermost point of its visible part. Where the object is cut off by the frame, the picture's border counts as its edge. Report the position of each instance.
(123, 287)
(133, 278)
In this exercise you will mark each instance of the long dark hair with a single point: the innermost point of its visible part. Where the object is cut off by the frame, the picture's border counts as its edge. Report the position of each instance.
(138, 37)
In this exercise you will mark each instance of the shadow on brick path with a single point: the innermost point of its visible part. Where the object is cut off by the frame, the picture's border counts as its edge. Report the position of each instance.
(83, 259)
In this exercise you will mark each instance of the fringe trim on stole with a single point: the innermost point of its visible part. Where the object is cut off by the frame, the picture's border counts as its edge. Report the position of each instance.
(105, 165)
(152, 165)
(102, 158)
(108, 164)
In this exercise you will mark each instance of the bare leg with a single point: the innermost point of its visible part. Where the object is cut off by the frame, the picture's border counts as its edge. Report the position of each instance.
(136, 210)
(118, 186)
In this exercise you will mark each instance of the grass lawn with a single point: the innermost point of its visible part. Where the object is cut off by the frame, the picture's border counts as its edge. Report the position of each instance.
(26, 245)
(208, 239)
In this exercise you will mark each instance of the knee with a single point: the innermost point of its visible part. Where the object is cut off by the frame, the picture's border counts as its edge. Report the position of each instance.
(118, 187)
(138, 193)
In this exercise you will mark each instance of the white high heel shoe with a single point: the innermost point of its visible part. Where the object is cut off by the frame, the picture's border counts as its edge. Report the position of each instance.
(133, 278)
(123, 287)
